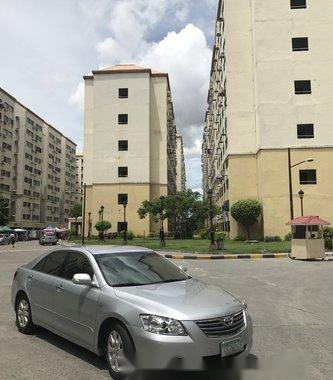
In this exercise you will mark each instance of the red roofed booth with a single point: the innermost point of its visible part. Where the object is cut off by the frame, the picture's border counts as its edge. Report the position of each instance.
(307, 237)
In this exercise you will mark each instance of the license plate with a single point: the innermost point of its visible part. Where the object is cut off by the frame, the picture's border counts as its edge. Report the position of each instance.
(232, 347)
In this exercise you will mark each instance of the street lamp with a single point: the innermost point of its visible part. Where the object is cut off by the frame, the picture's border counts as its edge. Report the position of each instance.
(290, 166)
(101, 210)
(301, 196)
(211, 216)
(125, 224)
(162, 234)
(89, 225)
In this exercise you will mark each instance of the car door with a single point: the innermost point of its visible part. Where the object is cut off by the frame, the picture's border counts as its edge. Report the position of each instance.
(76, 305)
(42, 283)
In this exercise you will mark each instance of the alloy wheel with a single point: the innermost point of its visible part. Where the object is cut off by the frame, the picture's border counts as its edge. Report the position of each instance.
(23, 313)
(115, 350)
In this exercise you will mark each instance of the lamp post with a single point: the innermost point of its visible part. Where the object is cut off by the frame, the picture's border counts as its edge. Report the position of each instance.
(102, 215)
(211, 216)
(290, 166)
(162, 234)
(125, 224)
(89, 225)
(301, 196)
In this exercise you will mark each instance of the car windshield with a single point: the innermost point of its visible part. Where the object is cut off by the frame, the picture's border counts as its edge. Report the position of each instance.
(138, 268)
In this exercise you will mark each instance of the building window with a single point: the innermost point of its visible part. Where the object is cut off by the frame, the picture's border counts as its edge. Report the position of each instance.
(122, 171)
(122, 198)
(123, 93)
(300, 43)
(122, 145)
(295, 4)
(123, 118)
(305, 131)
(308, 177)
(121, 226)
(302, 87)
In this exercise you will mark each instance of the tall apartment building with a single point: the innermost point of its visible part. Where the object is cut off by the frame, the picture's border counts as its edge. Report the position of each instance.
(181, 174)
(129, 144)
(79, 178)
(37, 167)
(270, 90)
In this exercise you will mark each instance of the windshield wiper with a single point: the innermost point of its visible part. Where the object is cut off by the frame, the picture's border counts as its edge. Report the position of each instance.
(171, 280)
(129, 284)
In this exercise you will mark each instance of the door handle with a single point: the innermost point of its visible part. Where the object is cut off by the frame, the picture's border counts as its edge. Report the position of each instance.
(60, 288)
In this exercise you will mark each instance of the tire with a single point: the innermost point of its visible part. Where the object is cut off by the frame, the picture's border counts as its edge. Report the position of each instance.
(125, 353)
(23, 315)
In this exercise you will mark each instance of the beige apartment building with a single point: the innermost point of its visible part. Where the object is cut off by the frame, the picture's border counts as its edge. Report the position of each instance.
(37, 167)
(180, 171)
(270, 90)
(130, 143)
(79, 178)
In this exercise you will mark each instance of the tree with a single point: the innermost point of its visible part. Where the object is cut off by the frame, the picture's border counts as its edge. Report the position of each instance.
(75, 212)
(246, 212)
(187, 212)
(157, 209)
(4, 211)
(102, 227)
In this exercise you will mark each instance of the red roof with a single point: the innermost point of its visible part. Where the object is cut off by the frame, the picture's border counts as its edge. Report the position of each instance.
(308, 220)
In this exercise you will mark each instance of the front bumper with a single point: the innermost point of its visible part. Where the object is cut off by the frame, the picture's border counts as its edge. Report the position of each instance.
(189, 352)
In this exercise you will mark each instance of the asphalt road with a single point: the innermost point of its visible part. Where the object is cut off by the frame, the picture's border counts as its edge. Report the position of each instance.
(291, 303)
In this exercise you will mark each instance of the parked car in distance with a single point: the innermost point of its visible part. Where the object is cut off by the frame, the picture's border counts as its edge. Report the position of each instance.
(131, 305)
(48, 238)
(4, 239)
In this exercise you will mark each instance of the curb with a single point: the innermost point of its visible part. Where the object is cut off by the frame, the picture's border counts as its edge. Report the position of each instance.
(252, 256)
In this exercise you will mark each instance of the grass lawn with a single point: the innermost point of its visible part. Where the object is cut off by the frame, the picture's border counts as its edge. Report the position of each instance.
(200, 246)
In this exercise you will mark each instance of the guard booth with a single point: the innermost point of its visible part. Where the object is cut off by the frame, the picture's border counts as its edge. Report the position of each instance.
(307, 240)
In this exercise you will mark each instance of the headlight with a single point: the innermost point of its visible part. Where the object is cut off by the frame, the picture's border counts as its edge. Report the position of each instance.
(162, 325)
(244, 305)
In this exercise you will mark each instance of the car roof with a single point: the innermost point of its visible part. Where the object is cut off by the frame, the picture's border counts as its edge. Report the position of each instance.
(109, 249)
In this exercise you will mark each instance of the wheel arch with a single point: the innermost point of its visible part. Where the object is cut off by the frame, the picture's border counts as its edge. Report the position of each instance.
(103, 330)
(19, 294)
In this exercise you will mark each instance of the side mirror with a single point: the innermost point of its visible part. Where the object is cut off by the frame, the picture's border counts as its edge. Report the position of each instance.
(183, 268)
(82, 279)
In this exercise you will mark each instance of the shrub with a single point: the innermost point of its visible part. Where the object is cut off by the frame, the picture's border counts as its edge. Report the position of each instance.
(246, 212)
(239, 238)
(271, 238)
(72, 233)
(328, 243)
(220, 235)
(204, 233)
(328, 232)
(287, 236)
(130, 235)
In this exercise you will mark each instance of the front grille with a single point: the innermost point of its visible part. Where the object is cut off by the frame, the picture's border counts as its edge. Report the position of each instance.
(229, 324)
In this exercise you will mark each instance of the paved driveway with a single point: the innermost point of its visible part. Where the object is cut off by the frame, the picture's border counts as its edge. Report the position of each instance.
(291, 303)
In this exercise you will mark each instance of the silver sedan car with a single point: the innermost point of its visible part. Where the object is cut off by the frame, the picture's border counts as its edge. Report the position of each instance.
(132, 305)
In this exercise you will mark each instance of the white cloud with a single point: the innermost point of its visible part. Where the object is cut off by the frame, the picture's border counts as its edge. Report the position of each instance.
(194, 150)
(77, 97)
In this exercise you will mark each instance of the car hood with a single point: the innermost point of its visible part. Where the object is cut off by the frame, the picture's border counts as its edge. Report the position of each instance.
(183, 300)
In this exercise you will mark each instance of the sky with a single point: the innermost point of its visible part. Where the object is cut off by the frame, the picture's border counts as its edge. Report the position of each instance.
(48, 45)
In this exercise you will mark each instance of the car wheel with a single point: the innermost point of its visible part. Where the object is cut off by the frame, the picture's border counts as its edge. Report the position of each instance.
(119, 351)
(23, 315)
